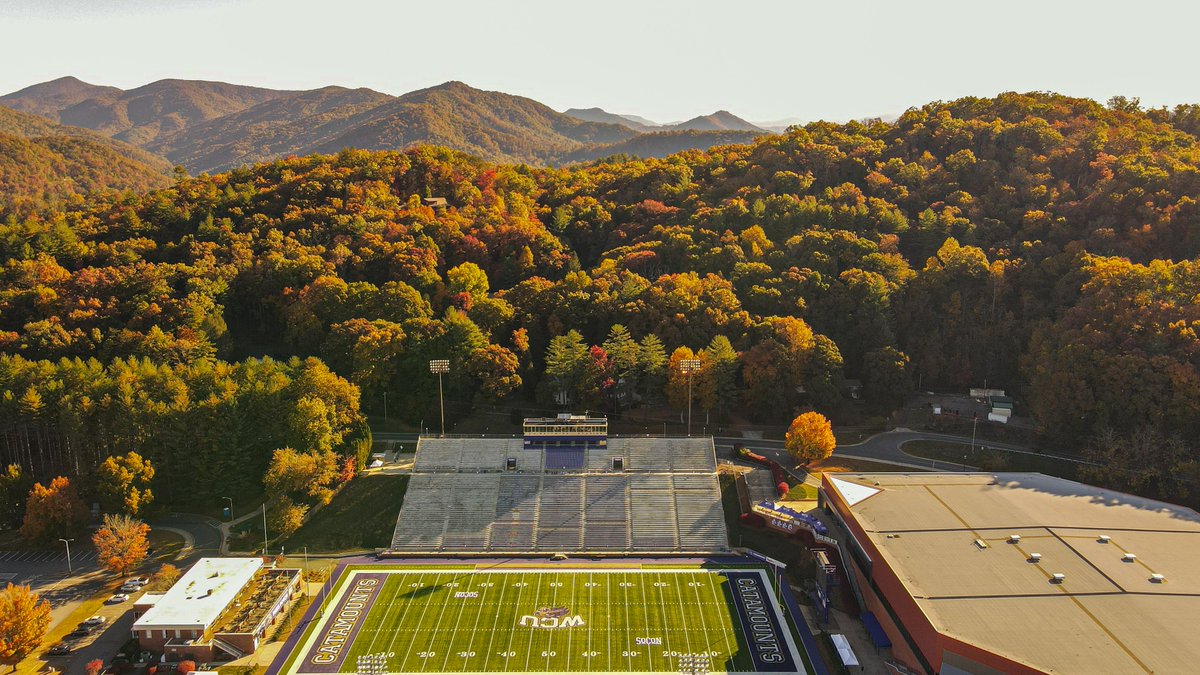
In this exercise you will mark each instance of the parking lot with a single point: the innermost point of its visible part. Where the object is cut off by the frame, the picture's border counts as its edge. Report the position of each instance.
(47, 557)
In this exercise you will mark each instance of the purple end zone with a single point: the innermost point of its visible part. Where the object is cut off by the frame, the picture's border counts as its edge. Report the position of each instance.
(760, 621)
(345, 620)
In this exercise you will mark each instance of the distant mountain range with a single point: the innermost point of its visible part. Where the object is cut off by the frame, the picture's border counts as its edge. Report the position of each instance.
(214, 126)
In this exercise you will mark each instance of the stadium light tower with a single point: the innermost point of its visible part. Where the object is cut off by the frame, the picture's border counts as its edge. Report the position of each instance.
(689, 366)
(440, 367)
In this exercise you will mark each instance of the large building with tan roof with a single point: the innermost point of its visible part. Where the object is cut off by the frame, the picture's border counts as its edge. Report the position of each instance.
(1021, 572)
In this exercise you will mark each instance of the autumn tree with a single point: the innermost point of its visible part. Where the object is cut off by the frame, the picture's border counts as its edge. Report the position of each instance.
(623, 358)
(566, 361)
(286, 516)
(164, 578)
(810, 438)
(124, 483)
(886, 381)
(24, 618)
(54, 511)
(121, 543)
(652, 367)
(301, 475)
(94, 667)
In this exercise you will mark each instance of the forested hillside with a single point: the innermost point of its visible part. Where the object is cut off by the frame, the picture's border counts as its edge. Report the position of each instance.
(42, 163)
(1044, 244)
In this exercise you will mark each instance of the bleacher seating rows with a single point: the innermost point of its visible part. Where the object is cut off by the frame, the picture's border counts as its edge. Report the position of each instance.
(461, 499)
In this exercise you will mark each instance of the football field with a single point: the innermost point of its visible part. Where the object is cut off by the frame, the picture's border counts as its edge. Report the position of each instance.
(412, 620)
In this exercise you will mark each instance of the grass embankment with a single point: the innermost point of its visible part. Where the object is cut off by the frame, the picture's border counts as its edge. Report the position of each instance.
(361, 516)
(991, 460)
(801, 492)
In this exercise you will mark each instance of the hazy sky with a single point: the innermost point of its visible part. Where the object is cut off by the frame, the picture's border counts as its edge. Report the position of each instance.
(664, 59)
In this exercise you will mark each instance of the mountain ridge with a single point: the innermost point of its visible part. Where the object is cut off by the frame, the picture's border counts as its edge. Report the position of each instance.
(209, 126)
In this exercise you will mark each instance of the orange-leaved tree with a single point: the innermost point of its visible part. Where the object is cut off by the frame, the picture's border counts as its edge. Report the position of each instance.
(121, 543)
(810, 438)
(53, 511)
(24, 618)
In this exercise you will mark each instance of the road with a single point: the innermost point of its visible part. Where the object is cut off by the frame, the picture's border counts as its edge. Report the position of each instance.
(204, 534)
(884, 447)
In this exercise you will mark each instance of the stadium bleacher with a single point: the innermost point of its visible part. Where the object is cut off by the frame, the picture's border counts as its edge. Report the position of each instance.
(463, 498)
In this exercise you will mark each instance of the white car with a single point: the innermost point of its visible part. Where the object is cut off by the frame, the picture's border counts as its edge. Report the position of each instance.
(118, 598)
(95, 621)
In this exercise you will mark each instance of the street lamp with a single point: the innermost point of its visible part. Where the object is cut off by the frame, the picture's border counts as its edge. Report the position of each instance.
(440, 367)
(974, 424)
(68, 543)
(689, 366)
(230, 500)
(385, 407)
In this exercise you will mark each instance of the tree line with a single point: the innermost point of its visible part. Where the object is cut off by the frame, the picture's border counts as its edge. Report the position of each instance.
(1033, 242)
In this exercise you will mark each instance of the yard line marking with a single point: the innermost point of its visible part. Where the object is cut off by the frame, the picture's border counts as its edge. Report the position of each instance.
(608, 604)
(571, 634)
(380, 627)
(529, 647)
(434, 630)
(495, 624)
(646, 619)
(513, 633)
(628, 652)
(420, 620)
(719, 596)
(708, 641)
(454, 634)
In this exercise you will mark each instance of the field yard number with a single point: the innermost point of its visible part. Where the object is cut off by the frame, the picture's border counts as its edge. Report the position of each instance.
(466, 655)
(590, 654)
(549, 653)
(416, 585)
(452, 584)
(520, 584)
(693, 584)
(591, 584)
(555, 584)
(625, 584)
(486, 584)
(426, 655)
(506, 654)
(629, 652)
(660, 584)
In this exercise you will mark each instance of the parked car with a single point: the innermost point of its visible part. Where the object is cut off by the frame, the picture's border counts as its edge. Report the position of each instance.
(94, 622)
(60, 649)
(118, 598)
(130, 587)
(141, 581)
(78, 633)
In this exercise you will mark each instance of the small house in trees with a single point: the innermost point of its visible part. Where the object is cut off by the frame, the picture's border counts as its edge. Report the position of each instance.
(435, 202)
(221, 609)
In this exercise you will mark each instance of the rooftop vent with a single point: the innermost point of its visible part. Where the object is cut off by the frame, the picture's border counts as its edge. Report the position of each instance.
(1058, 578)
(1104, 539)
(1014, 538)
(981, 544)
(1035, 557)
(1128, 557)
(1157, 578)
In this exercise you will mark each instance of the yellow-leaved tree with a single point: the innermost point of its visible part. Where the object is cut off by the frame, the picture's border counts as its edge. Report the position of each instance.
(810, 438)
(121, 542)
(24, 618)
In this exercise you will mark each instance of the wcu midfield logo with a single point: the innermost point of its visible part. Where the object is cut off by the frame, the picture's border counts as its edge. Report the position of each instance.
(551, 617)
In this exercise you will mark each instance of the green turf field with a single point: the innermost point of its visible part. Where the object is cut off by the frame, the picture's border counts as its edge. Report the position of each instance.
(577, 621)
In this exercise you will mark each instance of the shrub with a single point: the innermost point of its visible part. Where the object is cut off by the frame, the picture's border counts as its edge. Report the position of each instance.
(185, 666)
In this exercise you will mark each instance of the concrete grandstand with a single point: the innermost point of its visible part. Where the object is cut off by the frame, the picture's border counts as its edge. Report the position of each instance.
(1021, 573)
(646, 495)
